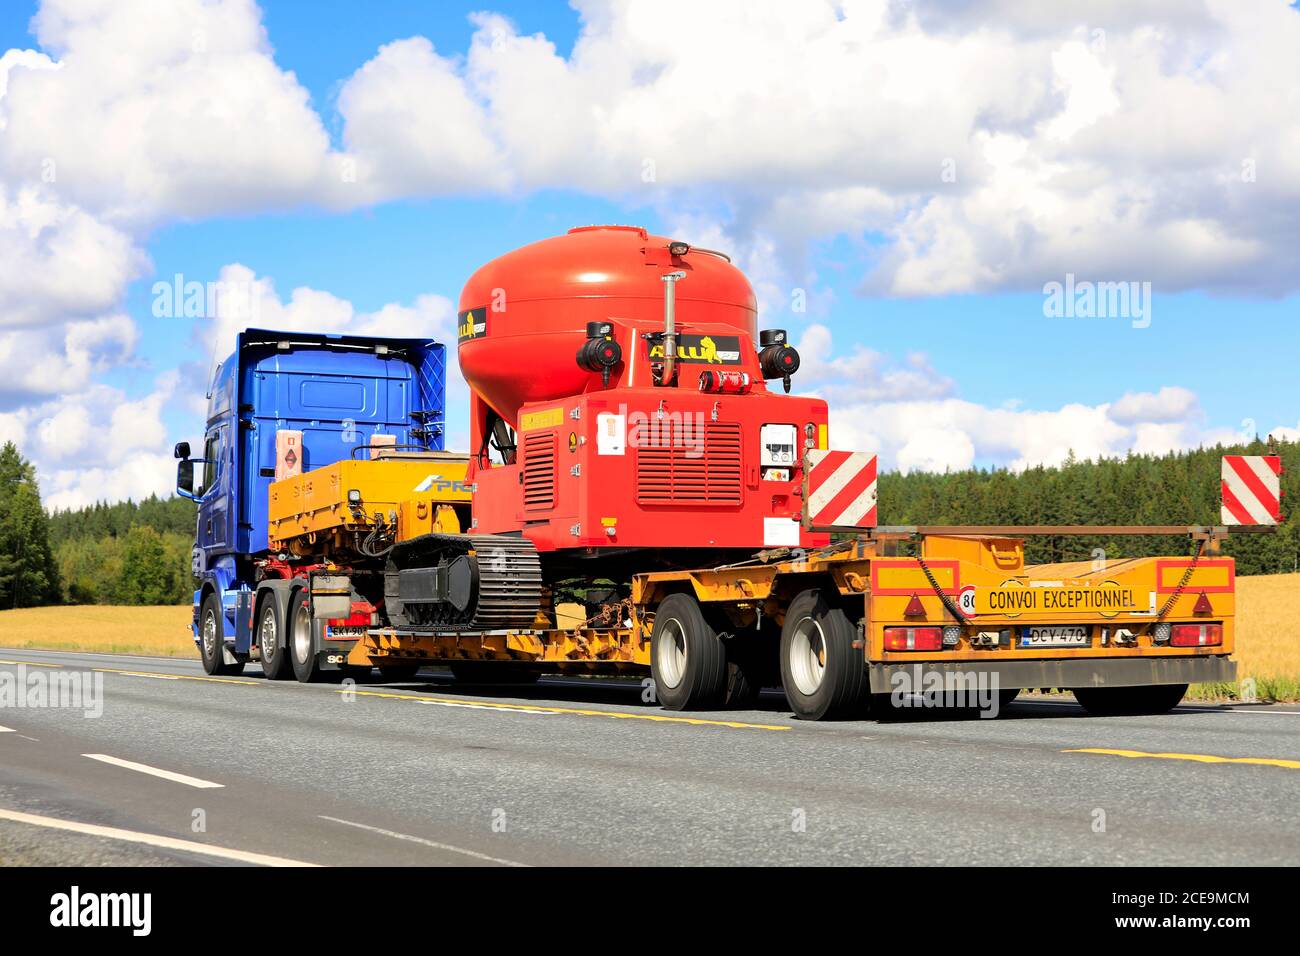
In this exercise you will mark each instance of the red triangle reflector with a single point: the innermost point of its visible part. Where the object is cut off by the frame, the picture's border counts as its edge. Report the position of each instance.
(914, 608)
(1203, 605)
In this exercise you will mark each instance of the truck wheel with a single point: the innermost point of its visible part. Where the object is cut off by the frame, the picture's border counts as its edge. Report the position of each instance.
(270, 638)
(398, 672)
(492, 672)
(304, 640)
(212, 638)
(824, 676)
(1130, 701)
(687, 659)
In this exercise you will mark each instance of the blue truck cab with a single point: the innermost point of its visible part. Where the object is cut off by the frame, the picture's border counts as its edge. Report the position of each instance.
(339, 391)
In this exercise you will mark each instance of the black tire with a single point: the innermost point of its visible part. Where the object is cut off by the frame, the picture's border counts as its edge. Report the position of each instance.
(824, 676)
(212, 639)
(1008, 696)
(744, 674)
(493, 672)
(397, 673)
(271, 639)
(304, 640)
(1130, 701)
(688, 662)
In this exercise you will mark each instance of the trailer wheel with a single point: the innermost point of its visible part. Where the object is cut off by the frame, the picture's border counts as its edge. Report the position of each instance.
(688, 662)
(824, 676)
(270, 638)
(212, 638)
(304, 640)
(1130, 701)
(744, 683)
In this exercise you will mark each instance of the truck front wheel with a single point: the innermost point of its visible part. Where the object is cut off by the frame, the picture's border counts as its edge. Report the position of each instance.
(688, 662)
(1130, 701)
(824, 676)
(212, 638)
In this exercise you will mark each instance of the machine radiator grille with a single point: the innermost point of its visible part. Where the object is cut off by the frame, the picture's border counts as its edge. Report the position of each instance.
(539, 471)
(689, 471)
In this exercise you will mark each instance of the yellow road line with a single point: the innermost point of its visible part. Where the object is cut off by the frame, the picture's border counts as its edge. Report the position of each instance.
(547, 709)
(1196, 758)
(213, 680)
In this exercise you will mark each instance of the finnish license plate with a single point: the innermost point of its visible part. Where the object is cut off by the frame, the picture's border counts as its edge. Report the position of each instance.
(1054, 636)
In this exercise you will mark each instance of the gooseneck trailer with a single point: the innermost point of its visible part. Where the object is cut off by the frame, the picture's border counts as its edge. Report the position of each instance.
(641, 495)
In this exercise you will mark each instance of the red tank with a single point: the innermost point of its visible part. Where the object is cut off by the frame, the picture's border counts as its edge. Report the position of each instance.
(521, 314)
(591, 436)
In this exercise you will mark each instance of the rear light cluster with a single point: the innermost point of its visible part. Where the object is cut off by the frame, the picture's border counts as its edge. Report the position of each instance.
(1196, 635)
(913, 638)
(362, 616)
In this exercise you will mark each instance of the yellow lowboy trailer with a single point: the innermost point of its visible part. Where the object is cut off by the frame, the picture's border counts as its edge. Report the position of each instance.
(856, 622)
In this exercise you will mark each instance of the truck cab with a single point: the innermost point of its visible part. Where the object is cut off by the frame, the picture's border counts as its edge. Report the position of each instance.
(339, 395)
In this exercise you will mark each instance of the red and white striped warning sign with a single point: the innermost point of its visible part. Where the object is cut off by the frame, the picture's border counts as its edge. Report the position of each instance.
(1252, 489)
(839, 489)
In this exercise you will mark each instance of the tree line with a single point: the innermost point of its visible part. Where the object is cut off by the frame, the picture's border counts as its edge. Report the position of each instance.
(139, 552)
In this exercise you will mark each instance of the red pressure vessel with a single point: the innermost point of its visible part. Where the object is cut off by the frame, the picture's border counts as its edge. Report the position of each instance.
(524, 315)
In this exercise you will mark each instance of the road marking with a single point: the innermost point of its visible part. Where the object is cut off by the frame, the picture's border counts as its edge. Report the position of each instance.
(31, 663)
(421, 840)
(527, 708)
(154, 771)
(510, 707)
(1197, 758)
(151, 839)
(213, 680)
(7, 730)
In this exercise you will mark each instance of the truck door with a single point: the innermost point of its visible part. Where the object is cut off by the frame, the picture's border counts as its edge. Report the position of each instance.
(214, 504)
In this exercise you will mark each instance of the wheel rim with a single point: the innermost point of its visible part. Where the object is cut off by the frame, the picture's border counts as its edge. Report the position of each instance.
(210, 634)
(670, 652)
(267, 639)
(302, 634)
(808, 656)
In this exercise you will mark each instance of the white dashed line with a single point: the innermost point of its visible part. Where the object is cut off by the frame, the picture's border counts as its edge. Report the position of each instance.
(154, 771)
(423, 842)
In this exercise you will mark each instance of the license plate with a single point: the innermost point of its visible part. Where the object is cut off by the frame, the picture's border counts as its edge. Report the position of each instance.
(1054, 636)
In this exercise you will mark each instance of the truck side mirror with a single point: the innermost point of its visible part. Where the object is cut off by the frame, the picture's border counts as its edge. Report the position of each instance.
(182, 450)
(185, 477)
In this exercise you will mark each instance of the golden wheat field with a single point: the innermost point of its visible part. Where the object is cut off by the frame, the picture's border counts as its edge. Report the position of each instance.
(150, 631)
(1268, 633)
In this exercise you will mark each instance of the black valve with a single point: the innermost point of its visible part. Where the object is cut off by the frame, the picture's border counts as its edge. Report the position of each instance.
(776, 359)
(600, 353)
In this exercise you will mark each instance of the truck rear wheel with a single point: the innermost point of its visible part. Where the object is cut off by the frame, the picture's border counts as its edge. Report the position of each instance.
(1129, 701)
(212, 638)
(304, 640)
(824, 676)
(271, 640)
(688, 662)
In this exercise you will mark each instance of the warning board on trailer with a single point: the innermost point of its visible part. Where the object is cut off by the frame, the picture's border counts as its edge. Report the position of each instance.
(1252, 489)
(839, 490)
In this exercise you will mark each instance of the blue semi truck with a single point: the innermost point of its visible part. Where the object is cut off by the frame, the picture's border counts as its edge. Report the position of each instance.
(339, 391)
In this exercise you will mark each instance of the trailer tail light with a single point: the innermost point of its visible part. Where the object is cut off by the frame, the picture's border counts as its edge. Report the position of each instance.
(913, 638)
(1196, 635)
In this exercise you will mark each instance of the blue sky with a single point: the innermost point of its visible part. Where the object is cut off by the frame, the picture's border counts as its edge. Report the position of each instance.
(874, 255)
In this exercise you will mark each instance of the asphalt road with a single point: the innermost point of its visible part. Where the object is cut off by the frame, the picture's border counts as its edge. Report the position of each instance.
(582, 772)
